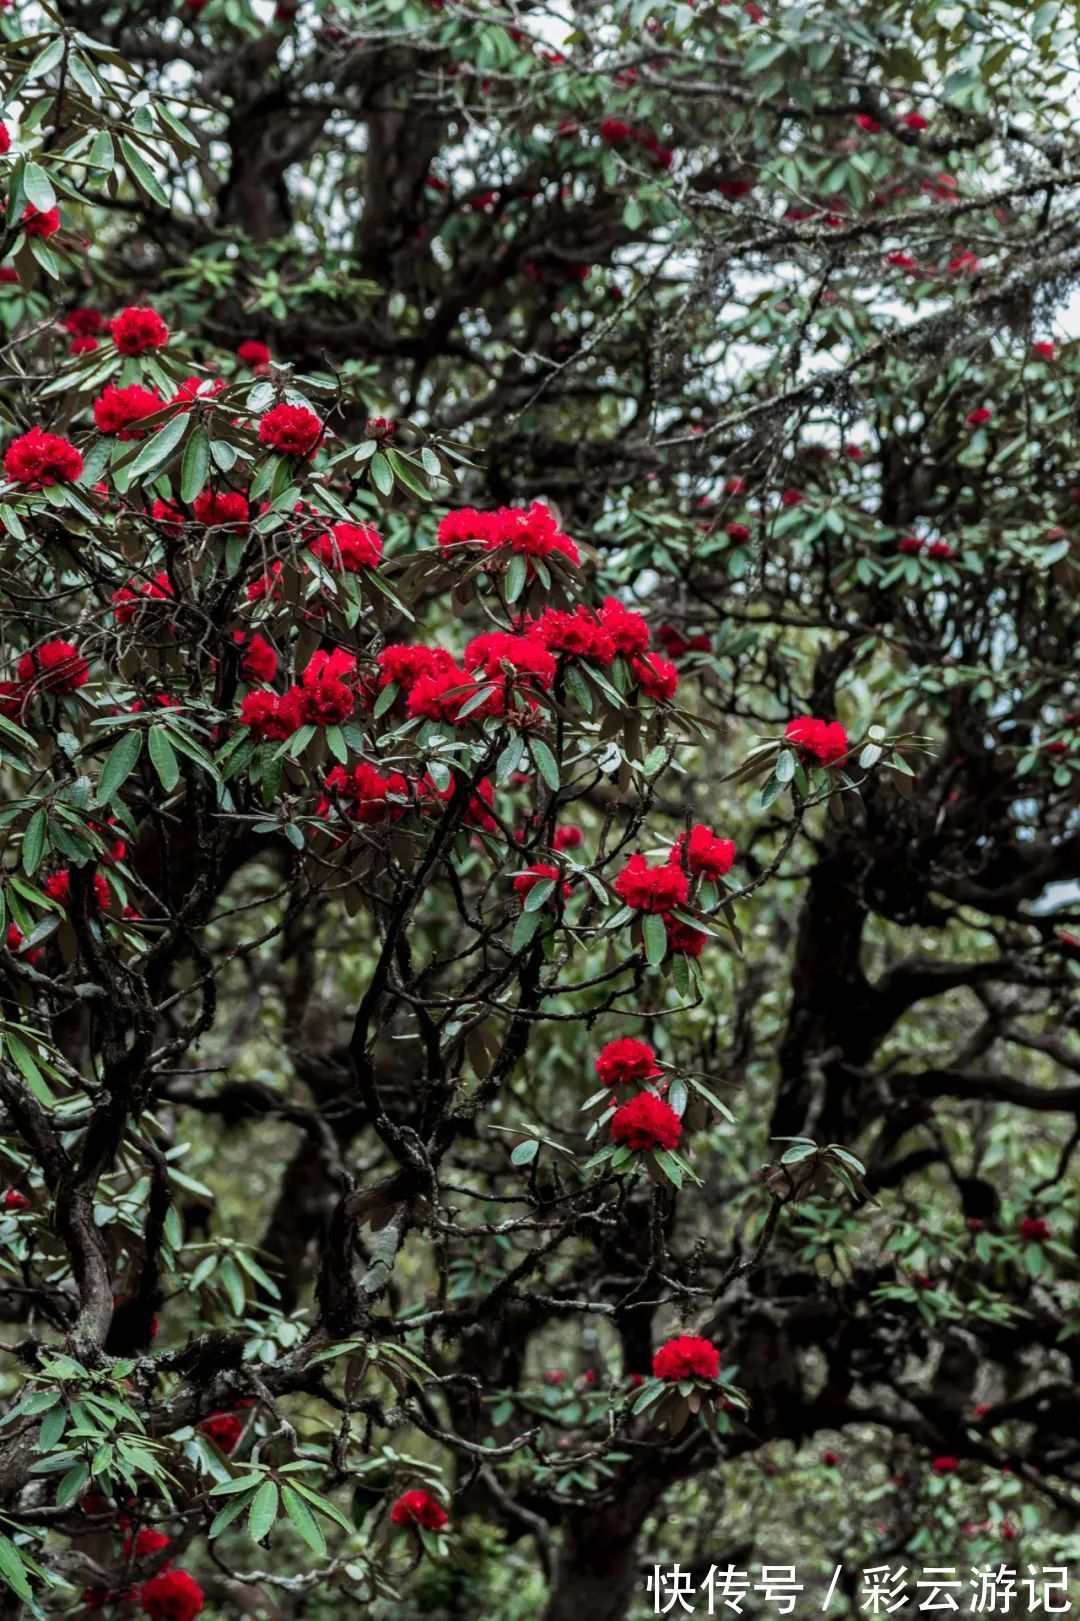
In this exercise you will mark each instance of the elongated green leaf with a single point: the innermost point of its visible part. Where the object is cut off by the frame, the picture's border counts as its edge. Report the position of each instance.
(142, 174)
(122, 760)
(264, 1507)
(196, 464)
(165, 762)
(303, 1519)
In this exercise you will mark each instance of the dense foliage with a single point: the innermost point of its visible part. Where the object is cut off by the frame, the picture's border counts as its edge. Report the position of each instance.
(540, 729)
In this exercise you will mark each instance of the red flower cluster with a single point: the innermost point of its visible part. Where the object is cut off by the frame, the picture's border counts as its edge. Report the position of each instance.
(14, 1199)
(419, 1508)
(945, 1466)
(217, 507)
(253, 353)
(54, 667)
(625, 1060)
(37, 459)
(147, 1541)
(687, 1356)
(530, 531)
(292, 430)
(657, 678)
(652, 889)
(500, 656)
(171, 1595)
(538, 873)
(137, 594)
(224, 1429)
(137, 329)
(684, 938)
(83, 323)
(616, 132)
(258, 662)
(364, 793)
(272, 716)
(629, 631)
(58, 888)
(1034, 1230)
(402, 664)
(645, 1123)
(706, 855)
(820, 740)
(41, 222)
(117, 409)
(348, 547)
(579, 634)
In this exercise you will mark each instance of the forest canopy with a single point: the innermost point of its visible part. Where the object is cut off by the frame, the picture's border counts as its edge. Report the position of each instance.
(540, 738)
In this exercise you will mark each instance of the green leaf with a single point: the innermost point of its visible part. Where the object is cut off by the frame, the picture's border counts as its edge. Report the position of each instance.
(303, 1519)
(233, 1284)
(264, 1507)
(231, 1511)
(142, 174)
(102, 153)
(157, 450)
(164, 759)
(122, 760)
(33, 844)
(13, 1570)
(655, 936)
(525, 1152)
(546, 763)
(196, 464)
(381, 475)
(515, 577)
(38, 188)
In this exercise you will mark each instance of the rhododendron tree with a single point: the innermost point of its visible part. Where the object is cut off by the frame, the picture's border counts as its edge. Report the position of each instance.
(540, 733)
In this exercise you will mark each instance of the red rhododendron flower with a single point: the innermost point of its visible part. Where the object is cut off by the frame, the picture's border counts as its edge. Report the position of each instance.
(137, 329)
(272, 716)
(901, 261)
(687, 1356)
(657, 678)
(442, 694)
(532, 532)
(12, 699)
(224, 1429)
(579, 634)
(333, 664)
(646, 1122)
(651, 889)
(41, 222)
(14, 942)
(5, 139)
(266, 585)
(914, 121)
(628, 630)
(625, 1060)
(258, 662)
(466, 527)
(364, 792)
(58, 888)
(707, 856)
(37, 458)
(196, 388)
(976, 418)
(567, 838)
(940, 549)
(945, 1466)
(117, 409)
(171, 1595)
(614, 132)
(910, 544)
(349, 547)
(525, 882)
(138, 593)
(1045, 349)
(165, 512)
(8, 274)
(419, 1508)
(13, 1199)
(148, 1540)
(683, 937)
(478, 813)
(498, 654)
(1033, 1229)
(216, 507)
(326, 702)
(54, 667)
(870, 125)
(83, 346)
(964, 264)
(830, 1459)
(83, 323)
(738, 532)
(821, 740)
(252, 352)
(291, 429)
(402, 664)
